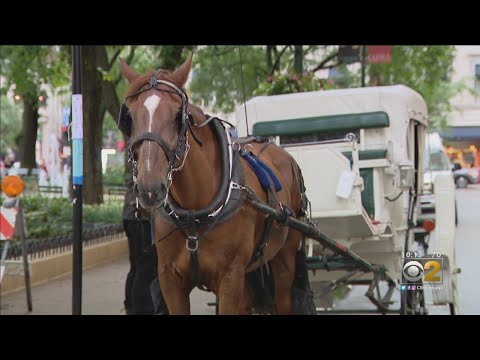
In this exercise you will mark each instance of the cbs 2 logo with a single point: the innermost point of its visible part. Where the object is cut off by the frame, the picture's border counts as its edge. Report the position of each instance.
(414, 271)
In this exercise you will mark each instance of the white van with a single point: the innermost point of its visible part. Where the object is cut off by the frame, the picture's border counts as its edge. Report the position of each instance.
(436, 163)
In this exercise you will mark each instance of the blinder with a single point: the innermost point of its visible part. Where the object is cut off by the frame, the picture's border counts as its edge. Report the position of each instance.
(125, 120)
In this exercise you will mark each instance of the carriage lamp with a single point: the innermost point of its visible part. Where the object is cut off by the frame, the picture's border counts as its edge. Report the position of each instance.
(428, 225)
(13, 186)
(407, 174)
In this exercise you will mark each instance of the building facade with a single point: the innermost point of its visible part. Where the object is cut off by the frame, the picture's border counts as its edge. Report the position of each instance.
(462, 138)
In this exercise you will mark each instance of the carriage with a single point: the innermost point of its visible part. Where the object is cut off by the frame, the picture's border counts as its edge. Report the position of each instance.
(361, 152)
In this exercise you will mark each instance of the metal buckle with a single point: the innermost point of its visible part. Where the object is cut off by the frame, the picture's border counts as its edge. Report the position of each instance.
(189, 241)
(235, 186)
(245, 147)
(153, 81)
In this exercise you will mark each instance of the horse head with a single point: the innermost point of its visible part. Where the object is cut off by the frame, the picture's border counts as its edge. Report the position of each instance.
(157, 124)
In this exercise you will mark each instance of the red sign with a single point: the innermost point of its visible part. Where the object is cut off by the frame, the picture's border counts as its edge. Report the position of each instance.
(120, 145)
(8, 216)
(380, 54)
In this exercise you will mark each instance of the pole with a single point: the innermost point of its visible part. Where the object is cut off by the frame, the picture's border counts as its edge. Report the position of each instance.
(77, 178)
(2, 262)
(26, 269)
(364, 48)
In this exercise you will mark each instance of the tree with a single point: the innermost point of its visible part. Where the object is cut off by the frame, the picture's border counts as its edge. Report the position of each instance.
(282, 69)
(427, 70)
(10, 124)
(27, 69)
(217, 76)
(102, 90)
(217, 79)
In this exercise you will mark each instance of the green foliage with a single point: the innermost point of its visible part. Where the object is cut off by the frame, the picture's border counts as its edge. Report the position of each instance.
(47, 217)
(10, 123)
(27, 67)
(216, 78)
(114, 175)
(291, 82)
(108, 213)
(427, 70)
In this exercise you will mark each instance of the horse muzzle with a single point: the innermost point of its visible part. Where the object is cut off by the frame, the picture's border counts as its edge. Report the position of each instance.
(151, 197)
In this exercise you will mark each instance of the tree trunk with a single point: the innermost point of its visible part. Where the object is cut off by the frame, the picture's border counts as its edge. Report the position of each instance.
(375, 78)
(109, 94)
(171, 56)
(298, 59)
(269, 57)
(92, 127)
(29, 132)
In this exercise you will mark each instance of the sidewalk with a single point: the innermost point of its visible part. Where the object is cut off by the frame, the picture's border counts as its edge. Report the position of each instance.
(102, 294)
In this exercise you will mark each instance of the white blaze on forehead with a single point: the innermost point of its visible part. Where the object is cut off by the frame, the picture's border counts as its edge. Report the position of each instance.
(151, 103)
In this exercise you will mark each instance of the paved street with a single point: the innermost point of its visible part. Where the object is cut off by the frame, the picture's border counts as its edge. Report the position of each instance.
(103, 289)
(468, 248)
(103, 286)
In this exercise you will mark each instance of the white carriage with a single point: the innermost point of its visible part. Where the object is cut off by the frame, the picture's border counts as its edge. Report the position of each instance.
(361, 152)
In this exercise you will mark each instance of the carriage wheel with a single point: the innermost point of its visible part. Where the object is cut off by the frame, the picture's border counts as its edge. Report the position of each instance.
(412, 302)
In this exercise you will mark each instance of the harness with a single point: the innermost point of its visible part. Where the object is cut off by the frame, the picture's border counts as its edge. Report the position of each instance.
(228, 199)
(232, 191)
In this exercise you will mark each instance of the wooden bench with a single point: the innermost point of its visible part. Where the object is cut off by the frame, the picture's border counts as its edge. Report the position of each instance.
(45, 189)
(116, 190)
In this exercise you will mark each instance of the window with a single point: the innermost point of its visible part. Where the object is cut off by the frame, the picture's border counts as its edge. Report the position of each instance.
(436, 161)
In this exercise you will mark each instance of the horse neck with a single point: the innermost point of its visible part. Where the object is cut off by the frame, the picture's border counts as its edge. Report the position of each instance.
(195, 186)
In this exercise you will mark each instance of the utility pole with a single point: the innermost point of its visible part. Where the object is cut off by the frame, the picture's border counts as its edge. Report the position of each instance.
(363, 60)
(77, 178)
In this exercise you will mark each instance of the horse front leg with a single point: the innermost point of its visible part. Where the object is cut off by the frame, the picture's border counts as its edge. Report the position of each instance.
(176, 296)
(232, 299)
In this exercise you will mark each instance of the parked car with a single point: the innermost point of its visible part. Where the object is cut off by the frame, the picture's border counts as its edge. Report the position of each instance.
(463, 177)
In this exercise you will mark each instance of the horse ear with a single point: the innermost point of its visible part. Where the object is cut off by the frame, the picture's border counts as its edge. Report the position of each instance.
(181, 74)
(127, 71)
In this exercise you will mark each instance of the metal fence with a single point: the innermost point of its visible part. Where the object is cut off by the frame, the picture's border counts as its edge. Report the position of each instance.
(38, 248)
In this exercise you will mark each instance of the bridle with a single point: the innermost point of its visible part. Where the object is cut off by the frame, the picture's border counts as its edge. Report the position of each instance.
(188, 220)
(125, 124)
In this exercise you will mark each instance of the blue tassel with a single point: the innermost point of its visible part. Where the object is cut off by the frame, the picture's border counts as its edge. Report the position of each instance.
(257, 169)
(262, 171)
(276, 182)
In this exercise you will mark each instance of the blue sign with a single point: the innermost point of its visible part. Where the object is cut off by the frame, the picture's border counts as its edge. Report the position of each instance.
(65, 116)
(77, 160)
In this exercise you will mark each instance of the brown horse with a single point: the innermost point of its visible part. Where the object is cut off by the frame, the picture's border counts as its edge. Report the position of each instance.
(175, 140)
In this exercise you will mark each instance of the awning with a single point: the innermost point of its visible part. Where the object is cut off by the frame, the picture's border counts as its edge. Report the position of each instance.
(461, 133)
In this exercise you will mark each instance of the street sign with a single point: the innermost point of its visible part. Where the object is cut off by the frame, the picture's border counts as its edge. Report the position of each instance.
(8, 217)
(348, 54)
(380, 54)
